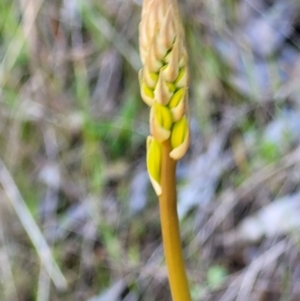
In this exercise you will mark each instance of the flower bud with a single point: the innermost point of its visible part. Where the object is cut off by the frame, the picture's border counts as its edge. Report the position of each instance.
(162, 91)
(154, 157)
(182, 79)
(147, 93)
(177, 104)
(160, 122)
(180, 139)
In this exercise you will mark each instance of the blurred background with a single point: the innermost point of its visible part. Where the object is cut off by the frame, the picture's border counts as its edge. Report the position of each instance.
(78, 217)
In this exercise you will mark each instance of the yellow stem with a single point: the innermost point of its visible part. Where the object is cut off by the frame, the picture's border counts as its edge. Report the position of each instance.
(170, 228)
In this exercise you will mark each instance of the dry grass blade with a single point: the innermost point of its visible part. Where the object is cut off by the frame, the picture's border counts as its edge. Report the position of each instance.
(51, 200)
(31, 228)
(241, 287)
(230, 198)
(6, 275)
(121, 44)
(31, 9)
(43, 292)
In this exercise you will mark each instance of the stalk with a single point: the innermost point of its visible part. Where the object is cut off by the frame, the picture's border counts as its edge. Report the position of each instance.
(164, 88)
(170, 228)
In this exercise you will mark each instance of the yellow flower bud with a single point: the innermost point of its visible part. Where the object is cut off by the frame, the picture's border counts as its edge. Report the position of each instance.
(177, 104)
(160, 122)
(180, 138)
(152, 63)
(162, 92)
(150, 78)
(146, 92)
(154, 157)
(182, 79)
(171, 70)
(167, 32)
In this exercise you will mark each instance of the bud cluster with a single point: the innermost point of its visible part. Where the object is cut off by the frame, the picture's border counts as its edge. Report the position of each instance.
(163, 82)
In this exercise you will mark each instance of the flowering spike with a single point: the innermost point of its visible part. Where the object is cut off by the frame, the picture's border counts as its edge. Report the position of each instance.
(164, 77)
(164, 85)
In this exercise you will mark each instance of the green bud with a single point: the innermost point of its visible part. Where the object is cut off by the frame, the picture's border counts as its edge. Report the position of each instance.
(177, 104)
(160, 122)
(180, 138)
(154, 158)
